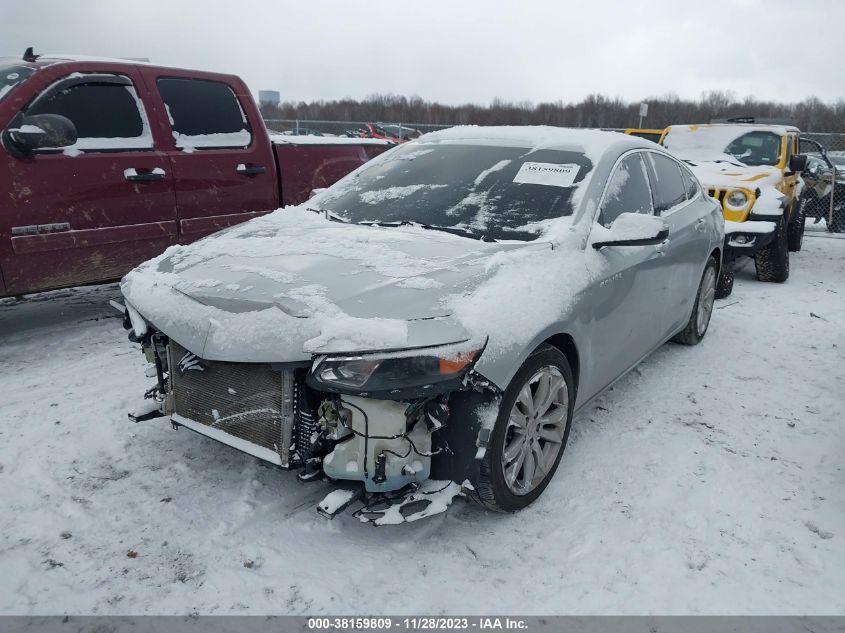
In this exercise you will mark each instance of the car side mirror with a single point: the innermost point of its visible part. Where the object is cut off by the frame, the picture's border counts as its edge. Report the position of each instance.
(42, 131)
(798, 163)
(633, 229)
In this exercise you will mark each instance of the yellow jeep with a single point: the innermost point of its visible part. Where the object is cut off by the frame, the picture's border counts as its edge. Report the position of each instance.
(647, 134)
(753, 171)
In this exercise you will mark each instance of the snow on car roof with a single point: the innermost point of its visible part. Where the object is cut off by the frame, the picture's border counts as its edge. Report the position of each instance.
(64, 57)
(592, 142)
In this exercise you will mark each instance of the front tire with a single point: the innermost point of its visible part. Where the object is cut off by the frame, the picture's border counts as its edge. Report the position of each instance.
(795, 233)
(772, 262)
(699, 320)
(530, 434)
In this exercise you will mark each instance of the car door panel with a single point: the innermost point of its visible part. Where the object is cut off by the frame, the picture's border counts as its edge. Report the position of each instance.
(73, 216)
(629, 301)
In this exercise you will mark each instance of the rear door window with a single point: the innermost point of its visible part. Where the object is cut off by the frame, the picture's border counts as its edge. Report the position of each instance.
(108, 117)
(668, 186)
(627, 191)
(691, 183)
(204, 114)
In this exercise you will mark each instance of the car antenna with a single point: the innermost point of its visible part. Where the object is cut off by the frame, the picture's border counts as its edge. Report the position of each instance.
(29, 55)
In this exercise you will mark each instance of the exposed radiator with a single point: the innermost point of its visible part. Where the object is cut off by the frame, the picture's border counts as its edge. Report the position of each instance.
(248, 401)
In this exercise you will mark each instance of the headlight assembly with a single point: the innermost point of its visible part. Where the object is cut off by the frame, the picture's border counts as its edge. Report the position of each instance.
(419, 371)
(736, 199)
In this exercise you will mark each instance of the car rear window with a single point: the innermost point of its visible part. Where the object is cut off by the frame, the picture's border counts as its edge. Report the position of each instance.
(204, 114)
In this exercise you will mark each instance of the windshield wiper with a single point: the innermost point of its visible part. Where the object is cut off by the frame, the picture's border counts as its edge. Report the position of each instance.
(432, 227)
(328, 215)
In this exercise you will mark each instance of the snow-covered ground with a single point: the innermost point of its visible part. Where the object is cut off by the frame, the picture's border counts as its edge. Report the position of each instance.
(709, 480)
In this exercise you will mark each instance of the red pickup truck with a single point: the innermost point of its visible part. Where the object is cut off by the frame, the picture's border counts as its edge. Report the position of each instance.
(105, 163)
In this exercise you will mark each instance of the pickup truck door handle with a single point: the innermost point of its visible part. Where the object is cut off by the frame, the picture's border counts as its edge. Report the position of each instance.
(250, 170)
(144, 175)
(700, 224)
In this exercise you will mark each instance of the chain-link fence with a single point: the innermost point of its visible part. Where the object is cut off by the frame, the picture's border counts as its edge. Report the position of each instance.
(362, 129)
(822, 198)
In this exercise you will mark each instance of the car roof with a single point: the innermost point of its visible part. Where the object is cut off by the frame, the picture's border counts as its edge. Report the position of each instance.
(752, 127)
(591, 142)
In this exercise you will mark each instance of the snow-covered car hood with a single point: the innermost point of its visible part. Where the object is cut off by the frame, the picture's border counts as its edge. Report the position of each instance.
(292, 284)
(729, 174)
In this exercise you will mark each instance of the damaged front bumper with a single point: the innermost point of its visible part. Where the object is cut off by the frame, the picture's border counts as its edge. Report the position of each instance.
(382, 441)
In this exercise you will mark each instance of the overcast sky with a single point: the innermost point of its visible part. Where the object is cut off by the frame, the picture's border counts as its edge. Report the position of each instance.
(462, 51)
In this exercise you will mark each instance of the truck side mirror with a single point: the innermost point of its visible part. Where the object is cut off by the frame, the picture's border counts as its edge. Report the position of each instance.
(41, 131)
(798, 163)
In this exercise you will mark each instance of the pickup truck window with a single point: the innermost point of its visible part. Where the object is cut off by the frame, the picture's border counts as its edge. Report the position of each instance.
(11, 76)
(204, 114)
(108, 116)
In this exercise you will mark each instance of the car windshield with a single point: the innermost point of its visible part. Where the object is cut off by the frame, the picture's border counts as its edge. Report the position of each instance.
(11, 76)
(750, 147)
(503, 193)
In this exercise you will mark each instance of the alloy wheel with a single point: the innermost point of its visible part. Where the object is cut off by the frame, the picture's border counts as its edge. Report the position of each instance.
(535, 431)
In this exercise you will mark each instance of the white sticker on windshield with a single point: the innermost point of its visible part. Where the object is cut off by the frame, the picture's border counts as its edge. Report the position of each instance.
(547, 174)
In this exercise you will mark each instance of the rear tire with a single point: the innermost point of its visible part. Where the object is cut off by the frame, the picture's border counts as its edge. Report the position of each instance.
(772, 262)
(795, 233)
(702, 309)
(505, 484)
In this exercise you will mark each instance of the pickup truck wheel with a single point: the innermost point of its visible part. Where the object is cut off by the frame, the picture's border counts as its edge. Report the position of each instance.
(795, 233)
(702, 309)
(530, 434)
(772, 262)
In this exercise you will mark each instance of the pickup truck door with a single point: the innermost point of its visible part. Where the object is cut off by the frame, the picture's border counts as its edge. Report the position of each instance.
(219, 151)
(92, 211)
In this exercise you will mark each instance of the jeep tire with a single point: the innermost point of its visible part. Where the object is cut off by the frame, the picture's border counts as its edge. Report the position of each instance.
(795, 233)
(772, 261)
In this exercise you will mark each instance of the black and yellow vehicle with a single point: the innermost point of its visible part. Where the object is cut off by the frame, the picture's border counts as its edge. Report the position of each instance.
(647, 134)
(753, 171)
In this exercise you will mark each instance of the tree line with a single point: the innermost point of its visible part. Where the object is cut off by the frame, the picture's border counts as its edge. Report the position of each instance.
(596, 111)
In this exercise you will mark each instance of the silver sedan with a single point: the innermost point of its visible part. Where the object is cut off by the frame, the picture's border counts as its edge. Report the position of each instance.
(440, 315)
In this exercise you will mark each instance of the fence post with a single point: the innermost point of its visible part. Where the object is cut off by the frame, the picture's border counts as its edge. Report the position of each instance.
(832, 196)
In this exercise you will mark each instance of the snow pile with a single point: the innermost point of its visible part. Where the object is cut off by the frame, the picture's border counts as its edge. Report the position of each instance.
(749, 226)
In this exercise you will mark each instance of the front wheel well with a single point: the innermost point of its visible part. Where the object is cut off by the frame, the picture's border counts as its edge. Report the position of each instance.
(566, 344)
(717, 255)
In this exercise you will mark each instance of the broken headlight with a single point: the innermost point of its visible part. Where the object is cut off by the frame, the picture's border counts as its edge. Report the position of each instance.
(418, 371)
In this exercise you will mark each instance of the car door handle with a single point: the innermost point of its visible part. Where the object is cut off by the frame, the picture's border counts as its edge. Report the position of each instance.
(250, 170)
(144, 175)
(700, 224)
(661, 248)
